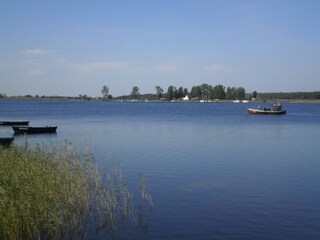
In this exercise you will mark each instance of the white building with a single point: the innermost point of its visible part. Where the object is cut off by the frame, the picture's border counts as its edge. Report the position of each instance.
(186, 98)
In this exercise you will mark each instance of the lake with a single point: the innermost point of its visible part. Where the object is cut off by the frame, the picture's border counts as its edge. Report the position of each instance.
(214, 171)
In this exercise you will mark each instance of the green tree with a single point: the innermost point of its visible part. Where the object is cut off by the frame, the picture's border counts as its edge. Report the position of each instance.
(135, 92)
(176, 93)
(254, 94)
(219, 92)
(196, 92)
(241, 93)
(159, 92)
(185, 92)
(105, 92)
(170, 93)
(180, 93)
(205, 91)
(231, 93)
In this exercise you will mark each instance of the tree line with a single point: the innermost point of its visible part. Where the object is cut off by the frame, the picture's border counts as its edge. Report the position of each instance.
(290, 95)
(208, 92)
(201, 92)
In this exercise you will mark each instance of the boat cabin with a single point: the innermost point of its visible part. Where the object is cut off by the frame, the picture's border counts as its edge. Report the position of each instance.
(277, 107)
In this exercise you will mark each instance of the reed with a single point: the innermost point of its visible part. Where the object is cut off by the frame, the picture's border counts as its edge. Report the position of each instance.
(58, 192)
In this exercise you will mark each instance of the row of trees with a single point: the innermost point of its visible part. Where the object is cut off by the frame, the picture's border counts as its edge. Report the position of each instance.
(201, 92)
(135, 93)
(209, 92)
(290, 95)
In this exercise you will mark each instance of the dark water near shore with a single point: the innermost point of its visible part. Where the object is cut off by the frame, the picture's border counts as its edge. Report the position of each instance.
(215, 172)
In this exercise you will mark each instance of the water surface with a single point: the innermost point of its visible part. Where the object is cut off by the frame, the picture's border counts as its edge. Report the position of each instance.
(215, 172)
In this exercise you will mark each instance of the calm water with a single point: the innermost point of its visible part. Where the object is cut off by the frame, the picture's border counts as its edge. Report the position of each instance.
(214, 171)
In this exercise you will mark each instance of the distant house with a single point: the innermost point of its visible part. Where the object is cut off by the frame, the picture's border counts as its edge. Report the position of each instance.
(186, 98)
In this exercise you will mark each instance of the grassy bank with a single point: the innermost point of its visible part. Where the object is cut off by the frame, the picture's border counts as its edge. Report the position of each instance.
(57, 192)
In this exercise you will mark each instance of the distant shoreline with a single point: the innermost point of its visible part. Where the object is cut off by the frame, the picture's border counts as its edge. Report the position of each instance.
(157, 101)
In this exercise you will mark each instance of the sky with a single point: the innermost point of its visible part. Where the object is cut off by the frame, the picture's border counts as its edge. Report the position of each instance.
(67, 48)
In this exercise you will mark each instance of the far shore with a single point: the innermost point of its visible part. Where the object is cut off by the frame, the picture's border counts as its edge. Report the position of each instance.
(158, 101)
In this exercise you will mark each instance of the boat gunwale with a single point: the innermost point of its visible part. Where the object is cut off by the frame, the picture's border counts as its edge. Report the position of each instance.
(262, 111)
(14, 123)
(33, 130)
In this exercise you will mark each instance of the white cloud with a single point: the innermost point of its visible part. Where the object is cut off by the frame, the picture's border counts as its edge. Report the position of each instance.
(36, 52)
(165, 68)
(214, 68)
(102, 66)
(170, 65)
(28, 61)
(35, 72)
(223, 68)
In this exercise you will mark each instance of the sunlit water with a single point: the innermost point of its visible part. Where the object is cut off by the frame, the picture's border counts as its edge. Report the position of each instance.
(214, 171)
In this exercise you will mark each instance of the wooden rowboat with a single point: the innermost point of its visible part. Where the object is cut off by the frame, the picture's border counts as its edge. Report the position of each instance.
(6, 141)
(34, 130)
(13, 123)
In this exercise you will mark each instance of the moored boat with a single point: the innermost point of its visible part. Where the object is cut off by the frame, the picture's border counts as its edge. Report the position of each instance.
(34, 130)
(6, 141)
(13, 123)
(276, 109)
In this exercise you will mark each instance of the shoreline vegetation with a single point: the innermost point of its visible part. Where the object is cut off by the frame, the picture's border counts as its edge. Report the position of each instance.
(56, 192)
(61, 98)
(294, 97)
(201, 93)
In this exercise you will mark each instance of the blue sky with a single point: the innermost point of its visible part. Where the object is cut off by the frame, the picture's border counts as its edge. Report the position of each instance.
(76, 47)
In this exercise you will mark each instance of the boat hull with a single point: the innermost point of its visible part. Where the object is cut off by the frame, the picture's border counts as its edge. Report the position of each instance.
(34, 130)
(6, 141)
(13, 123)
(262, 111)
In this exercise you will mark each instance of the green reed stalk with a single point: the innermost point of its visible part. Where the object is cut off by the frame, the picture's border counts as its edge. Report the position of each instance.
(58, 193)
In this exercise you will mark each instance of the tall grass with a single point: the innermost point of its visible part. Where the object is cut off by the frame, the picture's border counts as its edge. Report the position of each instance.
(58, 192)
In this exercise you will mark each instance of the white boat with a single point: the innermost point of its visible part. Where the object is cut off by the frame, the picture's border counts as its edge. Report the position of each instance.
(276, 109)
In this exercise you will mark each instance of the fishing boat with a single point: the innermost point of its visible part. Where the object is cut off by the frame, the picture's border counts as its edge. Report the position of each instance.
(34, 130)
(6, 141)
(13, 123)
(276, 109)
